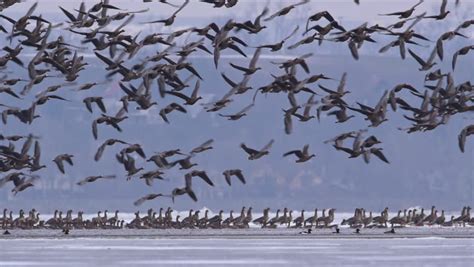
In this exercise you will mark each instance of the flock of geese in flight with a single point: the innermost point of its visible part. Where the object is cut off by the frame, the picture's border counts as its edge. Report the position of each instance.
(165, 219)
(56, 58)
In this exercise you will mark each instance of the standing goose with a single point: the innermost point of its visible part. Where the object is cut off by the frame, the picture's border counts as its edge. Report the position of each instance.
(234, 172)
(53, 222)
(63, 157)
(256, 154)
(264, 219)
(238, 220)
(202, 222)
(367, 220)
(321, 219)
(248, 218)
(312, 220)
(275, 219)
(302, 155)
(216, 221)
(432, 217)
(440, 220)
(283, 218)
(450, 223)
(228, 221)
(330, 218)
(299, 220)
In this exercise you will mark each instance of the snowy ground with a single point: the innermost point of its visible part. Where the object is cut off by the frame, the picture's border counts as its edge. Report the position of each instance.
(250, 251)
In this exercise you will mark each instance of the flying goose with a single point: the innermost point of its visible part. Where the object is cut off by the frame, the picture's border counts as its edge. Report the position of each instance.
(131, 148)
(189, 100)
(94, 99)
(108, 142)
(285, 10)
(188, 185)
(442, 12)
(461, 52)
(148, 197)
(170, 20)
(160, 158)
(233, 172)
(467, 131)
(256, 154)
(170, 108)
(108, 120)
(239, 114)
(59, 159)
(201, 174)
(404, 14)
(151, 175)
(203, 147)
(185, 163)
(24, 185)
(425, 65)
(307, 108)
(277, 46)
(302, 155)
(91, 179)
(252, 68)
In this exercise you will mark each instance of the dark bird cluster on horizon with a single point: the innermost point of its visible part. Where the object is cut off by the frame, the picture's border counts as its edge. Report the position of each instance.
(163, 72)
(165, 219)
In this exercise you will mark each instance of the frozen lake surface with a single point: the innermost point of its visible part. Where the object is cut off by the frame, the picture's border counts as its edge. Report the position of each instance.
(236, 250)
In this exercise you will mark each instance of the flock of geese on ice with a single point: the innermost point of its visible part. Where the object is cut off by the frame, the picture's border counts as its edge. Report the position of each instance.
(57, 59)
(165, 219)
